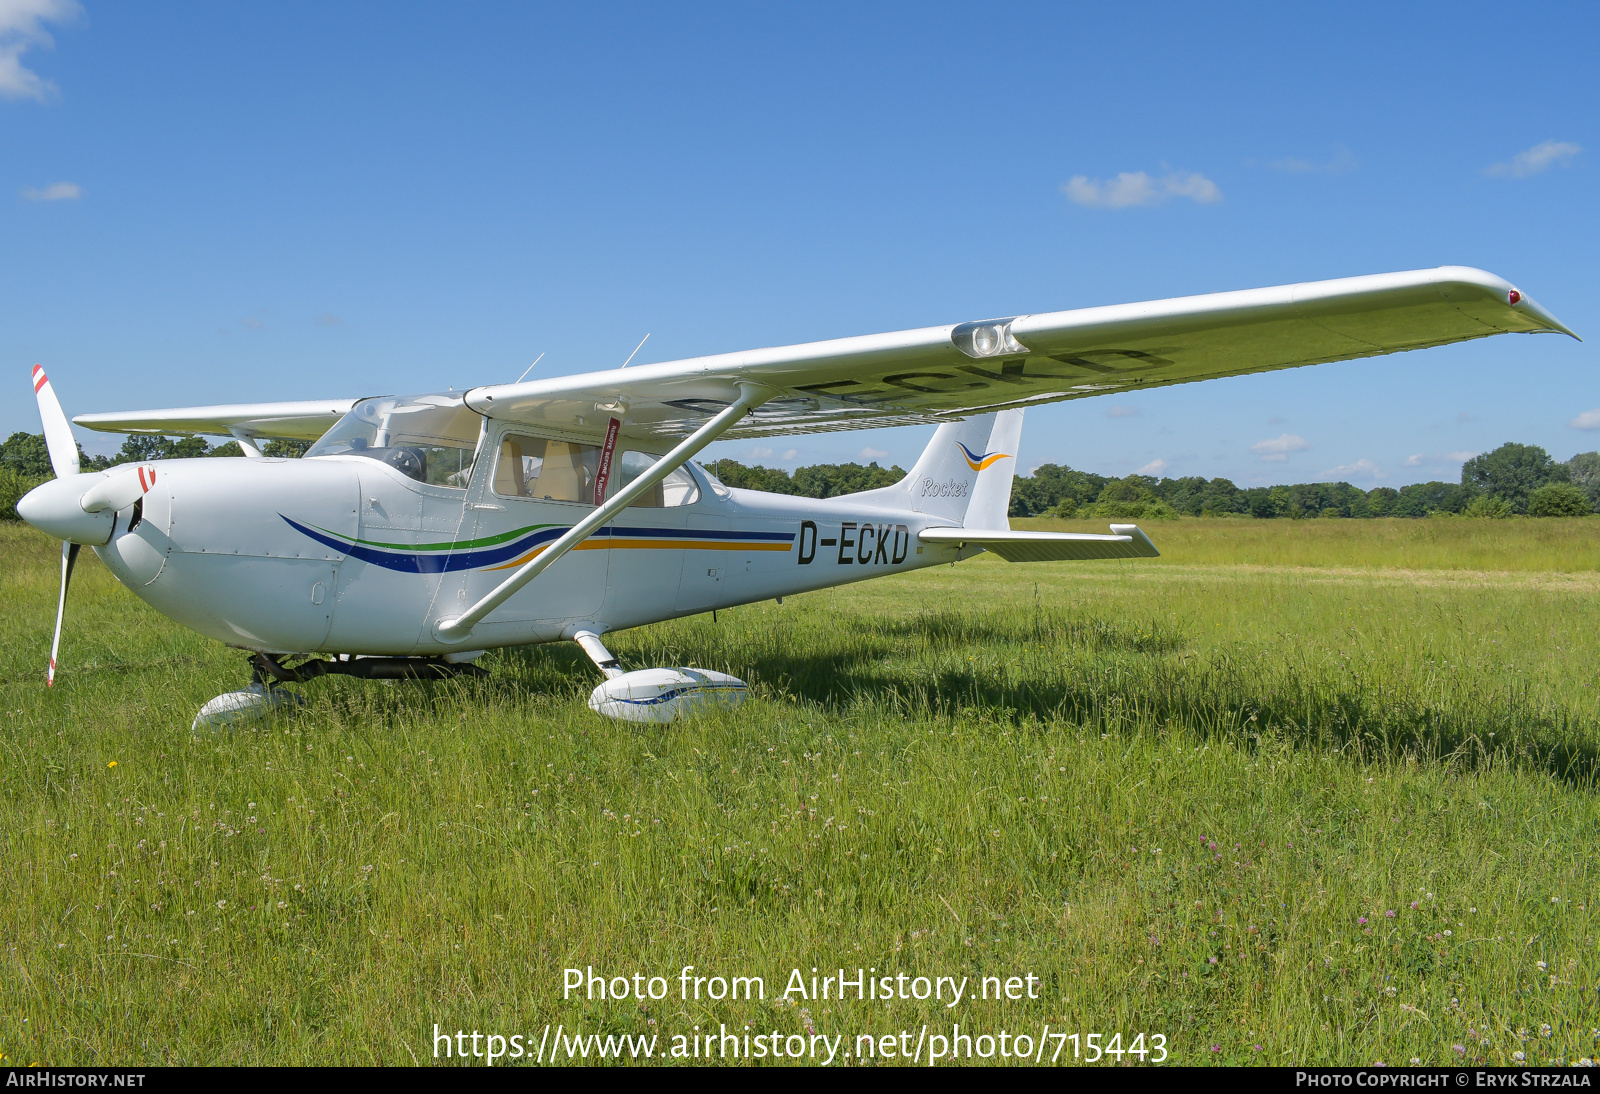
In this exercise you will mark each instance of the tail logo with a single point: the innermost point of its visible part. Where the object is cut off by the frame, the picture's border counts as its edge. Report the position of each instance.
(980, 463)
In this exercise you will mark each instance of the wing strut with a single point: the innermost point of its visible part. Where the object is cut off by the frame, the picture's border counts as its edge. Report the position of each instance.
(750, 397)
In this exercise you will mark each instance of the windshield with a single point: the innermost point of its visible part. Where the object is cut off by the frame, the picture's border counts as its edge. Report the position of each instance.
(430, 438)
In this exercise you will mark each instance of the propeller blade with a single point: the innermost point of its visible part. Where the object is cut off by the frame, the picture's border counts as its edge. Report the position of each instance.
(57, 433)
(69, 559)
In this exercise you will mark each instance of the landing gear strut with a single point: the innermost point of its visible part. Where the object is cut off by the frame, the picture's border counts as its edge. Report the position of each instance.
(268, 674)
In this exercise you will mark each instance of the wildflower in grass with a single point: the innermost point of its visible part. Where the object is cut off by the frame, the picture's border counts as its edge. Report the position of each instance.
(1416, 1061)
(1216, 1048)
(1545, 1030)
(113, 763)
(1460, 1050)
(1389, 914)
(1415, 904)
(1362, 921)
(1542, 965)
(1519, 1056)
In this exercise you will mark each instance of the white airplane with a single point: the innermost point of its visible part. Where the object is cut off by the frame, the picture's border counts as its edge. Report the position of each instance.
(417, 531)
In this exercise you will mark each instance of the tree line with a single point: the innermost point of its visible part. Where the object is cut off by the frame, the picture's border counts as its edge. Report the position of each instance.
(1513, 480)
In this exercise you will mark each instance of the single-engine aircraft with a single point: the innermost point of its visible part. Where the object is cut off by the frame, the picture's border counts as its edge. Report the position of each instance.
(417, 530)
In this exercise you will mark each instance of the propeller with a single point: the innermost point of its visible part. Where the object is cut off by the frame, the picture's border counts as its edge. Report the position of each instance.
(64, 460)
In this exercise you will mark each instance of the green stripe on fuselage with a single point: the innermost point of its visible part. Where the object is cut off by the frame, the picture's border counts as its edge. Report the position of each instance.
(458, 545)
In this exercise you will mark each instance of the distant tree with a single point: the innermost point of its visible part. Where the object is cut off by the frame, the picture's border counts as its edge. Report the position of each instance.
(1559, 499)
(285, 449)
(144, 446)
(1381, 499)
(1050, 486)
(1512, 471)
(1584, 472)
(230, 449)
(1263, 504)
(830, 480)
(1132, 498)
(773, 480)
(26, 454)
(1422, 498)
(1488, 505)
(13, 484)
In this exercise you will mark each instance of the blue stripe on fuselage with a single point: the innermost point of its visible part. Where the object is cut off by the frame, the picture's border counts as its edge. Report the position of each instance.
(436, 562)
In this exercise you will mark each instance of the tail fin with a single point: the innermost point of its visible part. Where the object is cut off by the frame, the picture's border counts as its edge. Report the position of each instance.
(964, 475)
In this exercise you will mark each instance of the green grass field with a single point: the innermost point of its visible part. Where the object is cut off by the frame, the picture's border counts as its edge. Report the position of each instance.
(1297, 792)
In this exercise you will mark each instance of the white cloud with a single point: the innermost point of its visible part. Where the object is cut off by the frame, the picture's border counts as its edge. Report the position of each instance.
(1361, 469)
(1123, 412)
(1438, 457)
(1154, 467)
(56, 191)
(1138, 188)
(873, 454)
(1277, 449)
(757, 453)
(1589, 419)
(1540, 157)
(22, 28)
(790, 454)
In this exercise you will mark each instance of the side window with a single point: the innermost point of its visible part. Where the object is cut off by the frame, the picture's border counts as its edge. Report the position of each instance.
(677, 488)
(534, 467)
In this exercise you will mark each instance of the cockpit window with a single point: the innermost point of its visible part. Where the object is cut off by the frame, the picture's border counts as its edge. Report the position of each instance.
(430, 438)
(534, 467)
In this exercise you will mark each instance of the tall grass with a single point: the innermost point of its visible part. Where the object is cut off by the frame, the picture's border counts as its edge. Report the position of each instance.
(1186, 795)
(1557, 545)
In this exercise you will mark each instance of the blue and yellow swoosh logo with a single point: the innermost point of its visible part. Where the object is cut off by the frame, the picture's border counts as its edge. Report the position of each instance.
(977, 462)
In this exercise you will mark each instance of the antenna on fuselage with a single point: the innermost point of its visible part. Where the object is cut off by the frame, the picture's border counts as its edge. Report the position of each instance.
(529, 369)
(636, 350)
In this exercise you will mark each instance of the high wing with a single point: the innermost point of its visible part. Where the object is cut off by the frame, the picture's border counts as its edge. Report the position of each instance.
(305, 421)
(946, 373)
(940, 374)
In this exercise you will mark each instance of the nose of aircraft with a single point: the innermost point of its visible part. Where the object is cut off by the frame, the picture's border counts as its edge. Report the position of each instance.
(56, 508)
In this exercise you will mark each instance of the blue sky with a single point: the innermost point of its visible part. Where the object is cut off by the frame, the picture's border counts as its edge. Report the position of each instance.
(220, 203)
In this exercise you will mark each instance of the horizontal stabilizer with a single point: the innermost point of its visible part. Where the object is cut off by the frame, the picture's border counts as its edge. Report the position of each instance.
(1126, 541)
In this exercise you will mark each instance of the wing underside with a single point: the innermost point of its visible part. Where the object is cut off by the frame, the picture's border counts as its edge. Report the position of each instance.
(946, 373)
(304, 421)
(940, 374)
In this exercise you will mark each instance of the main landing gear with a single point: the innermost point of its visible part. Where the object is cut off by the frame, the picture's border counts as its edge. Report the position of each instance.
(655, 695)
(268, 674)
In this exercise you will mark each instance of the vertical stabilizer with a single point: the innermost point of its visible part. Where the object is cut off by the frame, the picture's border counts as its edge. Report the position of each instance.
(964, 475)
(991, 493)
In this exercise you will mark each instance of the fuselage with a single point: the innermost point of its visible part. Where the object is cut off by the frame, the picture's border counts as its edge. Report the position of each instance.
(348, 554)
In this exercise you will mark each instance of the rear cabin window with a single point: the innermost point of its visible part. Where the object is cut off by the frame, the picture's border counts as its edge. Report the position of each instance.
(678, 488)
